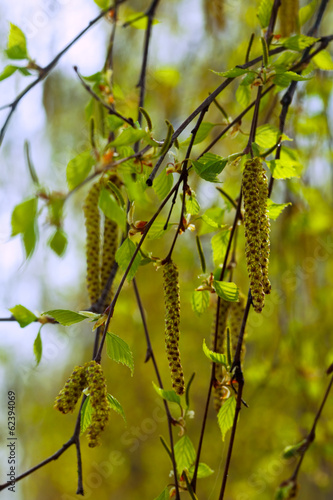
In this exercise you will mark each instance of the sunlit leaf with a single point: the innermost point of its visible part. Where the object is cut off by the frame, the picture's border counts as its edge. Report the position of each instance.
(219, 245)
(164, 495)
(118, 350)
(298, 42)
(78, 169)
(128, 136)
(163, 184)
(305, 13)
(267, 136)
(103, 4)
(283, 169)
(22, 315)
(192, 205)
(323, 60)
(10, 70)
(216, 357)
(200, 301)
(184, 453)
(86, 415)
(111, 208)
(226, 415)
(232, 73)
(264, 12)
(38, 348)
(17, 43)
(243, 95)
(65, 317)
(158, 230)
(124, 255)
(275, 209)
(58, 242)
(201, 135)
(139, 20)
(116, 406)
(226, 290)
(170, 396)
(209, 166)
(203, 471)
(114, 122)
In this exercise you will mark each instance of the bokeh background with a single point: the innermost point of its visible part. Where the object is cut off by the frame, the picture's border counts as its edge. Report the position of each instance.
(289, 346)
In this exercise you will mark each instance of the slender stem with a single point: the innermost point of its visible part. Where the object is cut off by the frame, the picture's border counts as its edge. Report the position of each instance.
(249, 47)
(150, 355)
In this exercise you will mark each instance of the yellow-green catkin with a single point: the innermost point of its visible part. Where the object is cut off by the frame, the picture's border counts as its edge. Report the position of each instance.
(264, 229)
(252, 222)
(68, 396)
(99, 401)
(235, 318)
(110, 246)
(93, 243)
(172, 320)
(220, 348)
(288, 14)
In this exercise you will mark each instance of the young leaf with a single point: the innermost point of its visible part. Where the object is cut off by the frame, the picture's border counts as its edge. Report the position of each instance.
(157, 230)
(128, 136)
(114, 122)
(23, 216)
(192, 205)
(102, 4)
(225, 416)
(283, 169)
(200, 301)
(170, 396)
(209, 169)
(216, 357)
(184, 454)
(299, 42)
(226, 290)
(323, 60)
(203, 471)
(116, 406)
(78, 169)
(86, 414)
(38, 347)
(243, 95)
(58, 242)
(109, 206)
(139, 20)
(124, 255)
(267, 136)
(305, 13)
(232, 73)
(275, 209)
(264, 12)
(219, 244)
(201, 135)
(118, 350)
(9, 70)
(17, 43)
(22, 315)
(162, 184)
(295, 449)
(65, 317)
(164, 495)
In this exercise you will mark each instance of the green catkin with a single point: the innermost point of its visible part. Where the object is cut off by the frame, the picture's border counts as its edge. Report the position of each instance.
(264, 229)
(99, 401)
(110, 246)
(68, 396)
(172, 320)
(236, 314)
(220, 341)
(252, 222)
(92, 222)
(288, 14)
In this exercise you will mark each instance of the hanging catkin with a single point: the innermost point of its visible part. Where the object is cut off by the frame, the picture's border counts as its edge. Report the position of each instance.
(172, 319)
(69, 395)
(288, 14)
(214, 15)
(235, 318)
(252, 222)
(264, 229)
(220, 341)
(110, 245)
(99, 402)
(92, 222)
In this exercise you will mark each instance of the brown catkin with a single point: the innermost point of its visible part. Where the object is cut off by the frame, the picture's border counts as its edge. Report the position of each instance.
(172, 320)
(264, 229)
(235, 318)
(92, 222)
(220, 341)
(99, 401)
(68, 396)
(288, 14)
(110, 246)
(252, 222)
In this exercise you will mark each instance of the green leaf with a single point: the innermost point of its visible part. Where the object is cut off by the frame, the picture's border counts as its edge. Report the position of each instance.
(157, 230)
(219, 244)
(65, 317)
(124, 255)
(323, 60)
(128, 136)
(78, 169)
(170, 396)
(225, 416)
(201, 135)
(58, 242)
(200, 301)
(23, 216)
(8, 71)
(17, 44)
(209, 166)
(86, 414)
(139, 20)
(103, 4)
(295, 449)
(118, 350)
(231, 73)
(22, 315)
(264, 12)
(109, 206)
(216, 357)
(305, 13)
(298, 42)
(184, 454)
(38, 347)
(29, 238)
(267, 136)
(226, 290)
(283, 169)
(164, 495)
(243, 95)
(163, 184)
(114, 122)
(203, 471)
(275, 209)
(192, 205)
(283, 78)
(116, 191)
(116, 406)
